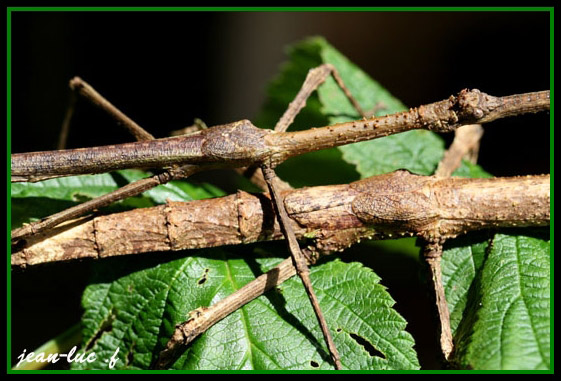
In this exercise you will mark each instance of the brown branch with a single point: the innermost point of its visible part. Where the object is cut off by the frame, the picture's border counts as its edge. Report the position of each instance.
(242, 144)
(390, 205)
(467, 107)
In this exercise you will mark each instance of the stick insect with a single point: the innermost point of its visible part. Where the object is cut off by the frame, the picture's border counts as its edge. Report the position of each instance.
(241, 144)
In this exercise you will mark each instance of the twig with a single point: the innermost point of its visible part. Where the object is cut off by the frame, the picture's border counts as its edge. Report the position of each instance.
(432, 252)
(468, 107)
(300, 262)
(242, 144)
(84, 89)
(65, 128)
(390, 205)
(314, 79)
(203, 318)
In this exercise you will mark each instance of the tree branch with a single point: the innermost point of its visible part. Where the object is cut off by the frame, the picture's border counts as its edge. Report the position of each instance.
(385, 206)
(242, 144)
(467, 107)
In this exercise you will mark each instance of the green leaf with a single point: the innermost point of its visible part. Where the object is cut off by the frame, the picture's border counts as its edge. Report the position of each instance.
(317, 168)
(470, 170)
(66, 188)
(462, 260)
(418, 151)
(138, 311)
(77, 188)
(506, 323)
(174, 190)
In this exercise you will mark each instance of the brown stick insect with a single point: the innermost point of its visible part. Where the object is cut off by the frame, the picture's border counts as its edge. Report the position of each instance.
(241, 144)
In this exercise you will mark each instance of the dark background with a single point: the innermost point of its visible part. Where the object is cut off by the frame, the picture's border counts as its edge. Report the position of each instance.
(164, 69)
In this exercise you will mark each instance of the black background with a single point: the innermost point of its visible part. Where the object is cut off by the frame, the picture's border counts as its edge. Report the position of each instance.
(165, 68)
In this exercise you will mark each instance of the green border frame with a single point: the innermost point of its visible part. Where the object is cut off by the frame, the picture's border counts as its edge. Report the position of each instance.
(10, 10)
